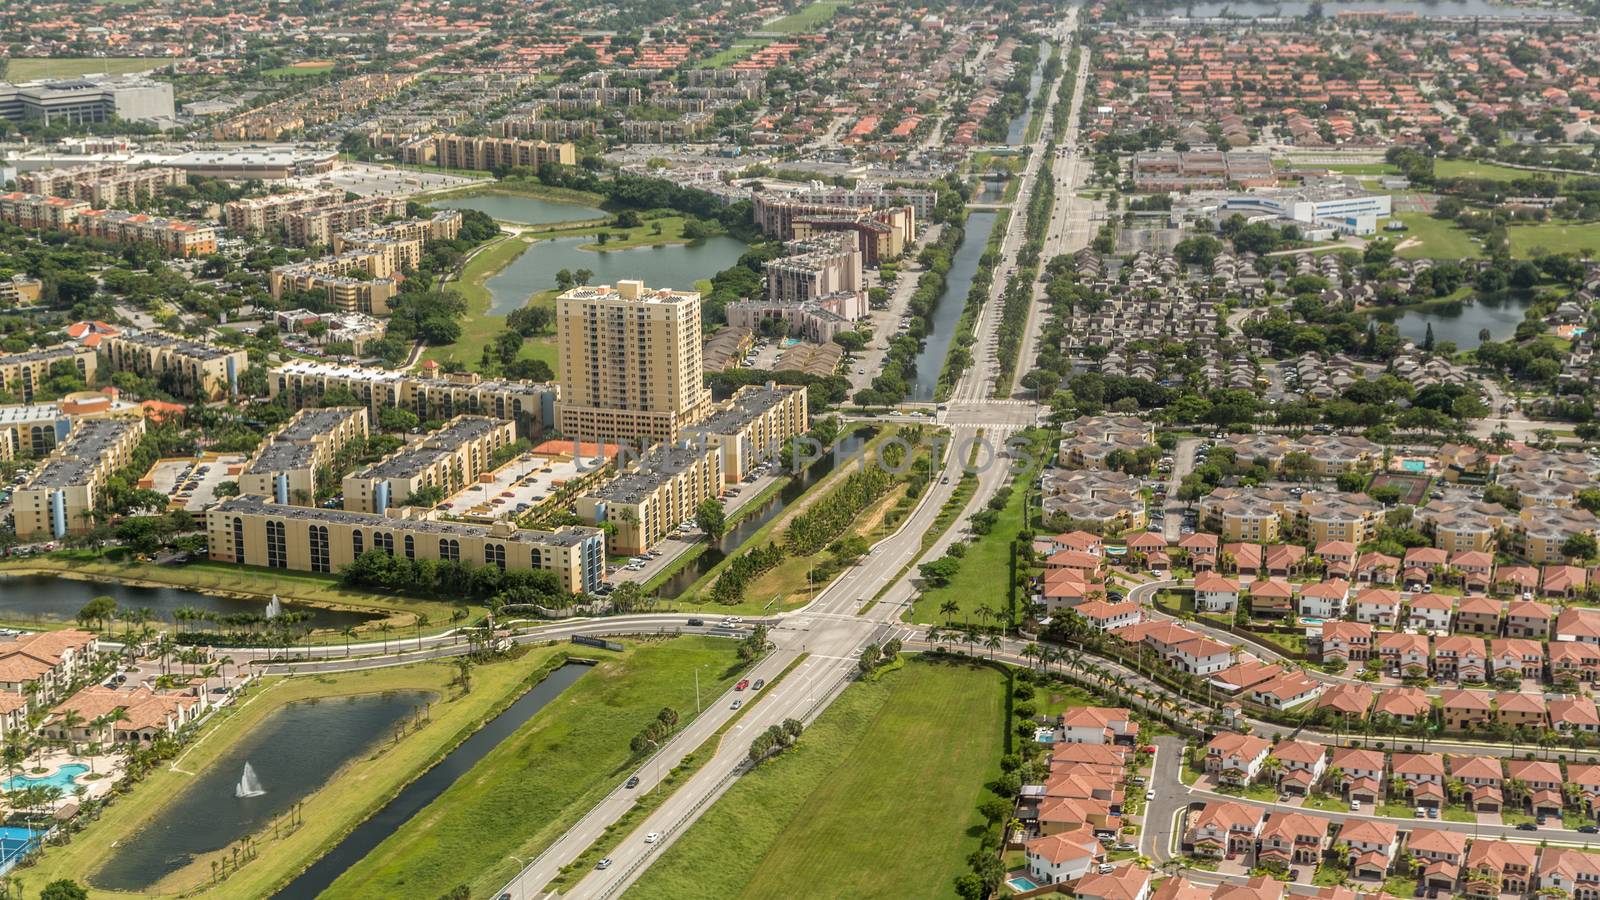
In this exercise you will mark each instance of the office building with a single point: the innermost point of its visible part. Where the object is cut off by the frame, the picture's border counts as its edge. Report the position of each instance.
(88, 99)
(531, 405)
(253, 531)
(182, 367)
(630, 363)
(449, 459)
(753, 427)
(1341, 209)
(655, 495)
(294, 459)
(63, 493)
(23, 374)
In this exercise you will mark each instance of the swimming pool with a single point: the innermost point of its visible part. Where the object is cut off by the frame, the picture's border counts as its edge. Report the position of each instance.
(1044, 735)
(1414, 465)
(62, 778)
(14, 842)
(1021, 883)
(1310, 620)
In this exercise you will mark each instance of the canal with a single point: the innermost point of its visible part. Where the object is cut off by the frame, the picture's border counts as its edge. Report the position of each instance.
(418, 794)
(1018, 132)
(751, 522)
(49, 598)
(947, 309)
(293, 752)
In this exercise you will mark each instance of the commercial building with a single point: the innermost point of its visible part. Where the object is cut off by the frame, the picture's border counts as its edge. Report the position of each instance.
(655, 495)
(22, 374)
(450, 458)
(87, 99)
(61, 496)
(255, 532)
(1167, 170)
(455, 151)
(288, 466)
(630, 363)
(755, 426)
(531, 405)
(183, 367)
(267, 164)
(1345, 211)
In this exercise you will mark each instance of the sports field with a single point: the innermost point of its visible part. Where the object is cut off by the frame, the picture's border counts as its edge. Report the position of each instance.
(29, 68)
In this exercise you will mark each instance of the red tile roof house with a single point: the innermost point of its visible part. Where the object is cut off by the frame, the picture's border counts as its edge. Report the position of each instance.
(1096, 725)
(1236, 759)
(1519, 710)
(1348, 700)
(1579, 661)
(1300, 765)
(1483, 779)
(1432, 560)
(1241, 558)
(1420, 770)
(1347, 641)
(1326, 600)
(1563, 581)
(1360, 773)
(1404, 653)
(1478, 615)
(1496, 867)
(1430, 613)
(1065, 856)
(1215, 593)
(1293, 838)
(1539, 782)
(1126, 882)
(1574, 872)
(1223, 828)
(1373, 567)
(1271, 598)
(1437, 854)
(1283, 560)
(1338, 557)
(1147, 543)
(1201, 656)
(1201, 549)
(1460, 657)
(1585, 780)
(1086, 563)
(1377, 606)
(1516, 579)
(1292, 688)
(1580, 625)
(1103, 616)
(1475, 568)
(1406, 705)
(1082, 541)
(1461, 710)
(1520, 655)
(1372, 847)
(1244, 675)
(1573, 715)
(1528, 619)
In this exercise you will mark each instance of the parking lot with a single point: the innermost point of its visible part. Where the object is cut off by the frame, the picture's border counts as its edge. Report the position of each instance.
(192, 483)
(369, 180)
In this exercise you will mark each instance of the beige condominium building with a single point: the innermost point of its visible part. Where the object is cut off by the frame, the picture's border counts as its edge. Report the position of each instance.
(654, 495)
(182, 367)
(286, 468)
(19, 290)
(450, 458)
(256, 532)
(22, 375)
(630, 364)
(530, 404)
(754, 426)
(34, 429)
(62, 494)
(317, 227)
(254, 215)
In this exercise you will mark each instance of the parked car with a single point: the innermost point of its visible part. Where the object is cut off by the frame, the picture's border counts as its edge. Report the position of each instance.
(1527, 826)
(1589, 829)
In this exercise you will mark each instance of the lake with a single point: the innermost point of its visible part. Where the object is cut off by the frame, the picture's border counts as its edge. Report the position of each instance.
(676, 266)
(47, 598)
(293, 753)
(1460, 322)
(947, 309)
(521, 210)
(418, 794)
(1331, 8)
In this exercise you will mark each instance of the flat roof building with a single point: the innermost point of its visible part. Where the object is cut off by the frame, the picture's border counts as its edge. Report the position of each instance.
(298, 458)
(88, 99)
(753, 427)
(63, 493)
(182, 367)
(653, 496)
(23, 375)
(530, 405)
(448, 459)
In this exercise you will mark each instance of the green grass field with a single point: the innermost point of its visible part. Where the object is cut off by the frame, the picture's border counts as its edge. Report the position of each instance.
(30, 68)
(525, 792)
(727, 57)
(1435, 238)
(1465, 168)
(478, 327)
(981, 580)
(300, 71)
(892, 765)
(1554, 237)
(807, 19)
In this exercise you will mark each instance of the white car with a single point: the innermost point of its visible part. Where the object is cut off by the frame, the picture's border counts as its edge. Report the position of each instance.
(652, 837)
(1149, 795)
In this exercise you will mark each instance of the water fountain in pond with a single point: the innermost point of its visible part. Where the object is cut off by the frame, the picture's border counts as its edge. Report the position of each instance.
(249, 785)
(274, 607)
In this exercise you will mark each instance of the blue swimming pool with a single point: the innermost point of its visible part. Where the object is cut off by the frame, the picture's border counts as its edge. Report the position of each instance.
(1414, 465)
(1021, 883)
(62, 778)
(1310, 620)
(14, 842)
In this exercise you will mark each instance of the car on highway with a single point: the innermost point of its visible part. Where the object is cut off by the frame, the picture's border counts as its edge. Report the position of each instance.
(1589, 829)
(737, 704)
(652, 837)
(744, 683)
(1149, 795)
(633, 782)
(602, 865)
(696, 623)
(760, 683)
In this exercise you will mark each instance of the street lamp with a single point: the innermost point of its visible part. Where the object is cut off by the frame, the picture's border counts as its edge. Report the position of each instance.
(516, 882)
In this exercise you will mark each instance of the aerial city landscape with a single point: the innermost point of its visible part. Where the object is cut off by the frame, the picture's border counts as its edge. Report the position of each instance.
(668, 450)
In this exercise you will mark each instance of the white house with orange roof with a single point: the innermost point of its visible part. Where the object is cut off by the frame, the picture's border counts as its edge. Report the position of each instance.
(1483, 779)
(1523, 656)
(1236, 758)
(1378, 606)
(1573, 715)
(1346, 641)
(1423, 775)
(1361, 772)
(1573, 871)
(1325, 600)
(1103, 616)
(1578, 625)
(1081, 541)
(1437, 855)
(1430, 613)
(1494, 868)
(1405, 704)
(1215, 593)
(1288, 690)
(1293, 838)
(1300, 765)
(1403, 652)
(1201, 656)
(1064, 856)
(1223, 828)
(1096, 725)
(47, 660)
(1372, 847)
(1460, 656)
(1126, 882)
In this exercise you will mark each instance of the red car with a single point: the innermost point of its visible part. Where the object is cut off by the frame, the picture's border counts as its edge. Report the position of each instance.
(742, 685)
(1149, 748)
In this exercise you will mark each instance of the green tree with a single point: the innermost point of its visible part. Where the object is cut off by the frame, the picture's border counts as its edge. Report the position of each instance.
(64, 889)
(711, 519)
(98, 611)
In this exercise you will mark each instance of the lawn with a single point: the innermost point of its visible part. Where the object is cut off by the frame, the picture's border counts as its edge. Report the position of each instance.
(521, 796)
(643, 235)
(1435, 238)
(301, 70)
(478, 327)
(30, 68)
(818, 13)
(1360, 168)
(892, 764)
(1466, 168)
(727, 57)
(1554, 237)
(348, 796)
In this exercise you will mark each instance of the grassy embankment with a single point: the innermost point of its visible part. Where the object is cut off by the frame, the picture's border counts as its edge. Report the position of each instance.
(348, 796)
(521, 796)
(894, 763)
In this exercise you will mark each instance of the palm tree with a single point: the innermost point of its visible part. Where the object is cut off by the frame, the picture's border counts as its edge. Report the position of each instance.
(993, 643)
(948, 609)
(385, 628)
(933, 636)
(349, 631)
(970, 638)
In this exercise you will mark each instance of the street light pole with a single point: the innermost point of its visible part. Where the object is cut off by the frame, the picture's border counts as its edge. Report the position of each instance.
(517, 881)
